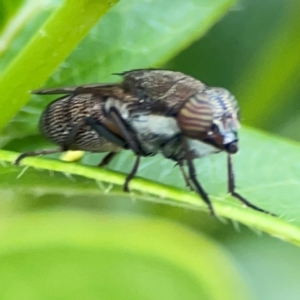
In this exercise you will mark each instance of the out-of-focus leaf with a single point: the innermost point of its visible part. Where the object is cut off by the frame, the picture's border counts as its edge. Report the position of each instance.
(254, 52)
(85, 256)
(261, 256)
(273, 78)
(272, 186)
(222, 57)
(46, 50)
(133, 34)
(7, 9)
(22, 25)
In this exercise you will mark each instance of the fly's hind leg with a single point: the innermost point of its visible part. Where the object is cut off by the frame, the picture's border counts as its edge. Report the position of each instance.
(110, 136)
(103, 131)
(36, 153)
(65, 147)
(131, 142)
(107, 159)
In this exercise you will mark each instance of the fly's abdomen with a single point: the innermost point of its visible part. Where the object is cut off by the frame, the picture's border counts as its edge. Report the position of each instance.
(53, 123)
(63, 123)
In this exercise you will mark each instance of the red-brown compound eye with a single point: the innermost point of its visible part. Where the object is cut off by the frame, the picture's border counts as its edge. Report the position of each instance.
(196, 116)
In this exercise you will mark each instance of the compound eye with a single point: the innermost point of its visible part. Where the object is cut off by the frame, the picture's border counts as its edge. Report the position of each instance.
(232, 147)
(196, 116)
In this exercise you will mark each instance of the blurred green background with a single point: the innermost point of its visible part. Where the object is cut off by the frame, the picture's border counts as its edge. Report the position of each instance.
(254, 51)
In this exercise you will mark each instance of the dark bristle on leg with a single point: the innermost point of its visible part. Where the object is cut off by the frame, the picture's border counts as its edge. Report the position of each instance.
(131, 174)
(193, 178)
(68, 141)
(131, 141)
(185, 176)
(107, 159)
(231, 189)
(128, 136)
(198, 187)
(102, 131)
(36, 153)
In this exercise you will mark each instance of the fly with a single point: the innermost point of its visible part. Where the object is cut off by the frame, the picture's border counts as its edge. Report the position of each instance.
(149, 112)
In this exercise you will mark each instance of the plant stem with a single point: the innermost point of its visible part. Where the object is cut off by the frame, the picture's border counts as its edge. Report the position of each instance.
(169, 195)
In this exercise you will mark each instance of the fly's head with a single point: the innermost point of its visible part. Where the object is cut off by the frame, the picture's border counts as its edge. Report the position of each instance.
(224, 131)
(212, 117)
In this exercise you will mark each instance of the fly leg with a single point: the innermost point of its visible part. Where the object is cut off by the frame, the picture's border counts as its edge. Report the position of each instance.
(185, 175)
(107, 159)
(132, 173)
(231, 188)
(103, 131)
(67, 143)
(131, 141)
(172, 149)
(193, 177)
(36, 153)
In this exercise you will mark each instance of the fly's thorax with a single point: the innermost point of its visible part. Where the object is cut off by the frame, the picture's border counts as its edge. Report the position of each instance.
(153, 130)
(150, 129)
(174, 149)
(200, 149)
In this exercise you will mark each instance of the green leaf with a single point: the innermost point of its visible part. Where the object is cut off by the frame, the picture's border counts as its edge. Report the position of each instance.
(7, 11)
(269, 86)
(86, 256)
(132, 34)
(21, 26)
(46, 51)
(261, 181)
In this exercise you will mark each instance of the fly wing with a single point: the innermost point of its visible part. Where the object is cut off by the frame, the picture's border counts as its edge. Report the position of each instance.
(106, 89)
(155, 91)
(165, 90)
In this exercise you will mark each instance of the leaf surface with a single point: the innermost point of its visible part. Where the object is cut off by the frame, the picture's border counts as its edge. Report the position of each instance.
(92, 256)
(271, 186)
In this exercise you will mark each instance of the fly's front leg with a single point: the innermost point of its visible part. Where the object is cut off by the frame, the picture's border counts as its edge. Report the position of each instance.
(107, 159)
(231, 188)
